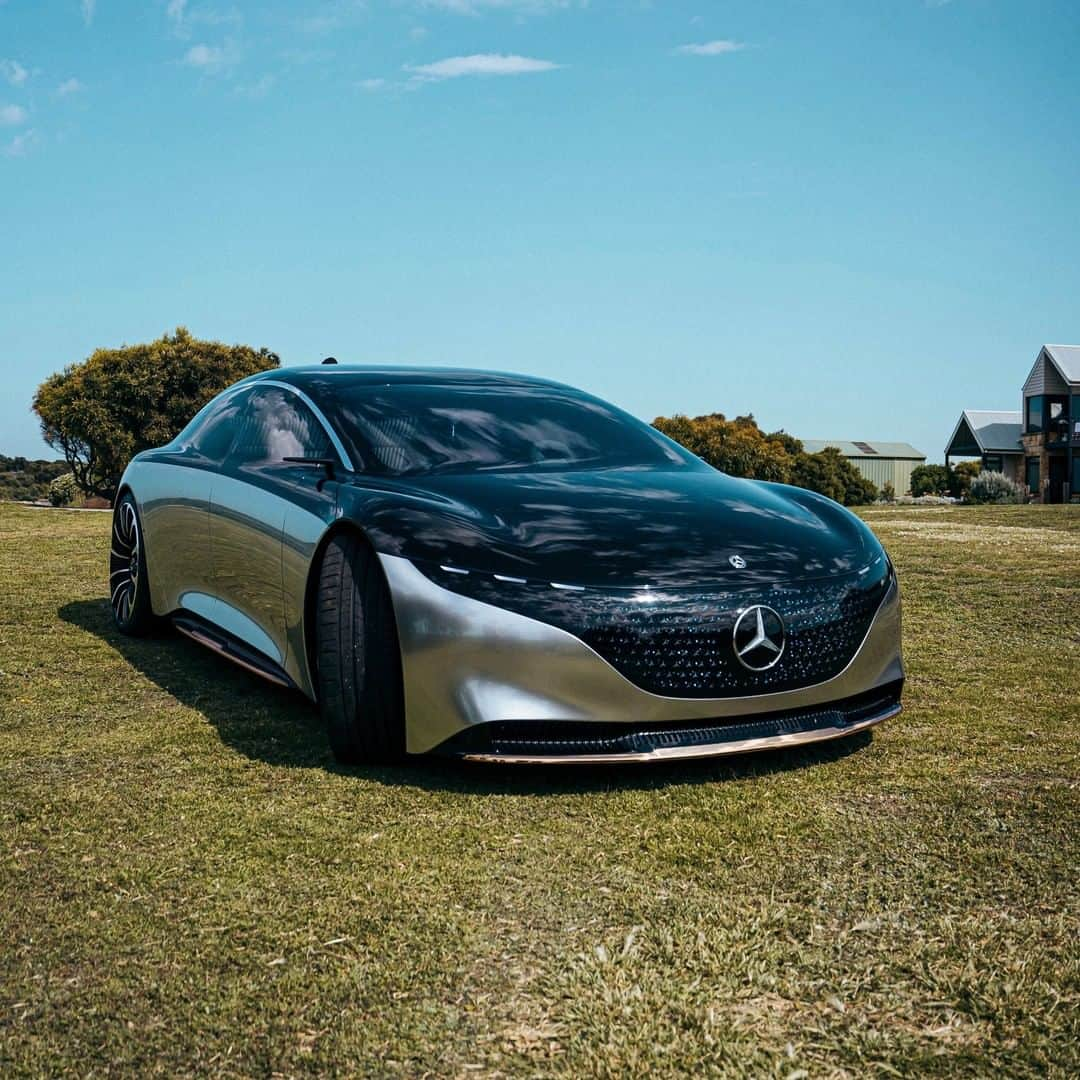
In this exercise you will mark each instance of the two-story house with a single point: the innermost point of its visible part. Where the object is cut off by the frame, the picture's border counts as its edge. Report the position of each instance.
(1040, 445)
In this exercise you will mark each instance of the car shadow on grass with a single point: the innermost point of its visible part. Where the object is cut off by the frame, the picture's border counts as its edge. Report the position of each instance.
(282, 728)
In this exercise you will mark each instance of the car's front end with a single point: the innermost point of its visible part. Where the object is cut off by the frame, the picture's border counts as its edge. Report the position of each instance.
(498, 668)
(569, 585)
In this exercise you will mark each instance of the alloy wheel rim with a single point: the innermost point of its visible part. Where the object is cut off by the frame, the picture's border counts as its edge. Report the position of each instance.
(124, 562)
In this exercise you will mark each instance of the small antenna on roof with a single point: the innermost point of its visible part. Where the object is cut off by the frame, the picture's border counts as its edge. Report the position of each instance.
(330, 360)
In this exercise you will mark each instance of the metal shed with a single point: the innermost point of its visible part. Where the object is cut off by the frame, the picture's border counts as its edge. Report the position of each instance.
(880, 462)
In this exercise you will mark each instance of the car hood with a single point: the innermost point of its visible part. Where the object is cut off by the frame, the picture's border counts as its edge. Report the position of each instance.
(612, 527)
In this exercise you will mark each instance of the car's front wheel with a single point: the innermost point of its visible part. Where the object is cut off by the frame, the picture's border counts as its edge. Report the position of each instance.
(129, 586)
(358, 660)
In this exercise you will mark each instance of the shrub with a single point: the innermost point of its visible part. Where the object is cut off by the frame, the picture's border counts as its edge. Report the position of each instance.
(63, 489)
(962, 476)
(929, 480)
(994, 487)
(888, 493)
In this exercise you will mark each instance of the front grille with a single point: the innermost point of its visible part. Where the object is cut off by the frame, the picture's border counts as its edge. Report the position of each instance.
(687, 651)
(569, 738)
(679, 644)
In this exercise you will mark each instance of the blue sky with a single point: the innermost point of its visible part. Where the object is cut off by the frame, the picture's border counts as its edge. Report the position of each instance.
(852, 219)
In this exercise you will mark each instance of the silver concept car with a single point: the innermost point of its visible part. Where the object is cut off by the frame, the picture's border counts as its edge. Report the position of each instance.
(503, 568)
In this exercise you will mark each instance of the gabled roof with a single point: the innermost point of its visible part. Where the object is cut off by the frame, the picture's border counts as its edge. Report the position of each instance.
(993, 432)
(862, 449)
(1066, 358)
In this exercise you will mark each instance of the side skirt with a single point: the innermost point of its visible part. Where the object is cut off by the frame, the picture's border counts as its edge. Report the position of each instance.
(232, 649)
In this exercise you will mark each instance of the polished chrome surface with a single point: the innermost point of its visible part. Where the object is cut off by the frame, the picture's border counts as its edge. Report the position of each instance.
(246, 524)
(681, 753)
(760, 619)
(467, 662)
(173, 502)
(253, 581)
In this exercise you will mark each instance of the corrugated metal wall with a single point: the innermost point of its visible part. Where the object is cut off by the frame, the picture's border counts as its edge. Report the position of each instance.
(882, 470)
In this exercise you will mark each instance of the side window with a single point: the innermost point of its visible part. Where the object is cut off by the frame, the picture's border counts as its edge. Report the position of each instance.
(275, 425)
(212, 436)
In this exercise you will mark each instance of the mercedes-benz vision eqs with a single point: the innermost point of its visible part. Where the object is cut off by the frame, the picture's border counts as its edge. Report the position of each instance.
(503, 568)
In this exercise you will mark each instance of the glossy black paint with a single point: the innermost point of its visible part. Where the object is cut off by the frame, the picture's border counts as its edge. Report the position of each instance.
(676, 524)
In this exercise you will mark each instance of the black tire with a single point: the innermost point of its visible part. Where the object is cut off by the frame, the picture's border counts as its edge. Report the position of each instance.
(358, 660)
(129, 586)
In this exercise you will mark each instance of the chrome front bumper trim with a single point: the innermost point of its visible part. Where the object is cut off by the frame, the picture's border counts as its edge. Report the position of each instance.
(683, 753)
(465, 662)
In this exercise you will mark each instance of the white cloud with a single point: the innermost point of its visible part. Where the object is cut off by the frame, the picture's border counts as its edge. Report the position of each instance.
(14, 72)
(69, 86)
(210, 57)
(20, 144)
(711, 48)
(175, 10)
(372, 84)
(12, 115)
(88, 7)
(480, 64)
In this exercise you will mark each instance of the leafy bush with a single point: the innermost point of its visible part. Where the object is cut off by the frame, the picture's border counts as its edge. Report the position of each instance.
(930, 480)
(888, 493)
(740, 448)
(995, 487)
(63, 489)
(102, 412)
(962, 476)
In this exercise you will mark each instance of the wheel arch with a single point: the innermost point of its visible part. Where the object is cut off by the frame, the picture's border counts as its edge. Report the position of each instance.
(311, 591)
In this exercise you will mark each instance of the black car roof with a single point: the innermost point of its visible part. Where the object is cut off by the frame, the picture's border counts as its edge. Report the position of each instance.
(325, 375)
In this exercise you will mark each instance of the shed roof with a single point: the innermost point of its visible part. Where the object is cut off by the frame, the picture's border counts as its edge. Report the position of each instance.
(997, 432)
(867, 449)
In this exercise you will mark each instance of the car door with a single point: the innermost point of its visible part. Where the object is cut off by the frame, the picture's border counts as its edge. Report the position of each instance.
(174, 491)
(258, 498)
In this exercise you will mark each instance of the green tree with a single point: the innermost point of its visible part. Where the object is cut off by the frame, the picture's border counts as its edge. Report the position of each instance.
(962, 476)
(930, 480)
(738, 447)
(103, 411)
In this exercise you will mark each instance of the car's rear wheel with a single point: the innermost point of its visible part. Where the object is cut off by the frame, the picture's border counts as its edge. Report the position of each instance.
(358, 660)
(129, 587)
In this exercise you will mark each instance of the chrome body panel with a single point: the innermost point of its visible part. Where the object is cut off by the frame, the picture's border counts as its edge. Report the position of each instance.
(235, 552)
(174, 502)
(466, 662)
(246, 524)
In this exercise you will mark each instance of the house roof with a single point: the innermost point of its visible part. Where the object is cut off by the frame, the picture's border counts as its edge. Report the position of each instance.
(997, 432)
(1066, 358)
(860, 449)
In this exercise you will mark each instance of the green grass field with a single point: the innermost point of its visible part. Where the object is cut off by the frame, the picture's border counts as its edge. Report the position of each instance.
(188, 884)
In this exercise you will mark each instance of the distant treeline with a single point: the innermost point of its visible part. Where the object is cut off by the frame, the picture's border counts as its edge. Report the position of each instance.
(27, 479)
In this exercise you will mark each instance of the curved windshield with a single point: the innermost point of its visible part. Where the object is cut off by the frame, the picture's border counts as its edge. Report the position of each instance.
(408, 429)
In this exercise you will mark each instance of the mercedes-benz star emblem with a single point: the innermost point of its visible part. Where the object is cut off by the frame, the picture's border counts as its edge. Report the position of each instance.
(759, 638)
(737, 561)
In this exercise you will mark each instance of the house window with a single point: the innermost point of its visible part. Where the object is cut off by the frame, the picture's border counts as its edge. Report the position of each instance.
(1032, 475)
(1034, 419)
(992, 462)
